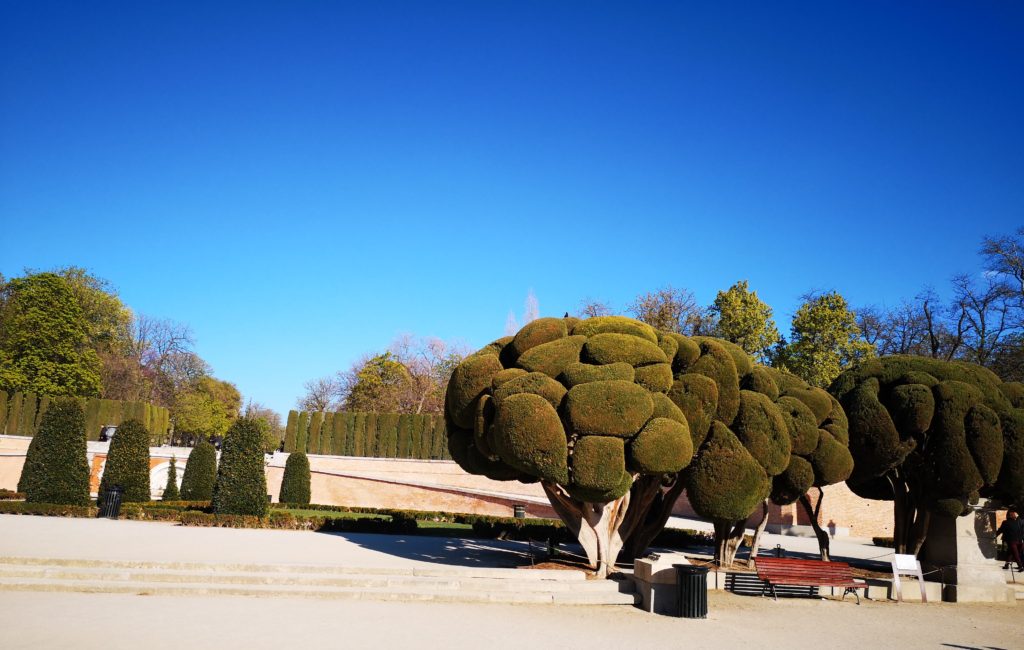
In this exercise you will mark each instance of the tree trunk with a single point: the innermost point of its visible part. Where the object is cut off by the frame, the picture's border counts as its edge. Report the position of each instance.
(650, 506)
(757, 534)
(812, 514)
(728, 537)
(920, 530)
(596, 525)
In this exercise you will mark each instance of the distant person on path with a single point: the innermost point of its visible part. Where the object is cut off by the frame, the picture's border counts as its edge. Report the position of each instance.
(1012, 530)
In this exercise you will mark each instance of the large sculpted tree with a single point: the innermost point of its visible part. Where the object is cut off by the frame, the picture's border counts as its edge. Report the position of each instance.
(932, 436)
(607, 413)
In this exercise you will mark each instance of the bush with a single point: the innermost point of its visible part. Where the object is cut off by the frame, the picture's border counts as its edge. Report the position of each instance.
(10, 495)
(128, 463)
(200, 473)
(295, 483)
(56, 470)
(241, 487)
(46, 509)
(171, 492)
(885, 542)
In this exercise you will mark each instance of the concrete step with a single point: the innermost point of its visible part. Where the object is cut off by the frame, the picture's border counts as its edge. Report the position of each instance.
(438, 571)
(432, 584)
(404, 594)
(366, 579)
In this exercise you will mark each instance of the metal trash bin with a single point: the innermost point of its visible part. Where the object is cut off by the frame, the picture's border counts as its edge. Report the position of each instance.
(110, 502)
(692, 590)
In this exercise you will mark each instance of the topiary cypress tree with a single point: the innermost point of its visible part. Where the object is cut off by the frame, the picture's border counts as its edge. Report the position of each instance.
(290, 430)
(128, 462)
(56, 469)
(302, 432)
(295, 483)
(171, 490)
(241, 487)
(316, 424)
(200, 473)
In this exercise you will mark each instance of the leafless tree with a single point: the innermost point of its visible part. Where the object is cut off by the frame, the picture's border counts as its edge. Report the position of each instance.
(320, 394)
(674, 310)
(531, 310)
(900, 330)
(1004, 256)
(945, 326)
(590, 308)
(988, 308)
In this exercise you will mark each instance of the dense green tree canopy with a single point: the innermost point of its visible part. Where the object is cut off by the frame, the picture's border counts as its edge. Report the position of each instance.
(128, 462)
(933, 436)
(241, 487)
(744, 319)
(295, 486)
(44, 339)
(200, 473)
(56, 469)
(825, 340)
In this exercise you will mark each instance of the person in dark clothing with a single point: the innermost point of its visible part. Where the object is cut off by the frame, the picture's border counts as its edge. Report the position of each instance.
(1012, 531)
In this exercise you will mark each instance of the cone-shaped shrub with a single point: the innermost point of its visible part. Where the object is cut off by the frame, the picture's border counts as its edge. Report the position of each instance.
(56, 469)
(295, 483)
(200, 473)
(171, 492)
(128, 463)
(241, 487)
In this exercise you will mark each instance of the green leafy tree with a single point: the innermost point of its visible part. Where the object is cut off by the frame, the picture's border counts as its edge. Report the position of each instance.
(241, 487)
(128, 462)
(171, 490)
(199, 414)
(825, 340)
(295, 483)
(44, 339)
(375, 385)
(56, 469)
(742, 318)
(200, 473)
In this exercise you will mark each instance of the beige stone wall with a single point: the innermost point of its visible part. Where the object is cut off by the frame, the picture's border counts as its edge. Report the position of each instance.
(443, 486)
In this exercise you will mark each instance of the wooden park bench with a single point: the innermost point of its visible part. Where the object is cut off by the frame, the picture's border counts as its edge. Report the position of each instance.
(806, 573)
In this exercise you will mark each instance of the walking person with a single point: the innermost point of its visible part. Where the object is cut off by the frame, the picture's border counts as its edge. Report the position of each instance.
(1012, 531)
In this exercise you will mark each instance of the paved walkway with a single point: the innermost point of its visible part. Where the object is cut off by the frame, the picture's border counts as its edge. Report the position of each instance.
(105, 539)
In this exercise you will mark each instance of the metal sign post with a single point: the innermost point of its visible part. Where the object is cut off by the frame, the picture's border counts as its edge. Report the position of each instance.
(909, 566)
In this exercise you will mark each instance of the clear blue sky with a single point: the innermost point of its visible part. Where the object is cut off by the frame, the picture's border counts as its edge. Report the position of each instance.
(300, 182)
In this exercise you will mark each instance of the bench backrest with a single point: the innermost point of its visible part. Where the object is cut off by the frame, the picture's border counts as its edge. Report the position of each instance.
(785, 567)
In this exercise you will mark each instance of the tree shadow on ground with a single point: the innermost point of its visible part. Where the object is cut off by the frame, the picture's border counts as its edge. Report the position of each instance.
(450, 551)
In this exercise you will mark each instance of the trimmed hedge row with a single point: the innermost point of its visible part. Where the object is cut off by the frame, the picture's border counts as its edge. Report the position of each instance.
(21, 414)
(11, 495)
(46, 509)
(373, 435)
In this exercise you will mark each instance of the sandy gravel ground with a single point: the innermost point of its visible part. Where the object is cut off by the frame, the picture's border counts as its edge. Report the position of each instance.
(110, 621)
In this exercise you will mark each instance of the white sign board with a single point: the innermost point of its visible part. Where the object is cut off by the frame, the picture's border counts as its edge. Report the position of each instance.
(909, 566)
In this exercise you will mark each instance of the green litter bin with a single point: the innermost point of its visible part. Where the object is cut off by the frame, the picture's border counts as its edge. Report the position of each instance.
(692, 590)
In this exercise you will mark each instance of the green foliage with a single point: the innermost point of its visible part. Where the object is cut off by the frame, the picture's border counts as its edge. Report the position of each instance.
(598, 464)
(377, 384)
(538, 332)
(622, 348)
(608, 408)
(171, 492)
(302, 432)
(241, 487)
(554, 357)
(295, 483)
(792, 483)
(128, 463)
(615, 325)
(528, 435)
(56, 470)
(745, 320)
(825, 340)
(200, 414)
(663, 446)
(946, 428)
(533, 382)
(582, 373)
(761, 428)
(200, 473)
(44, 339)
(725, 483)
(717, 364)
(316, 422)
(290, 431)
